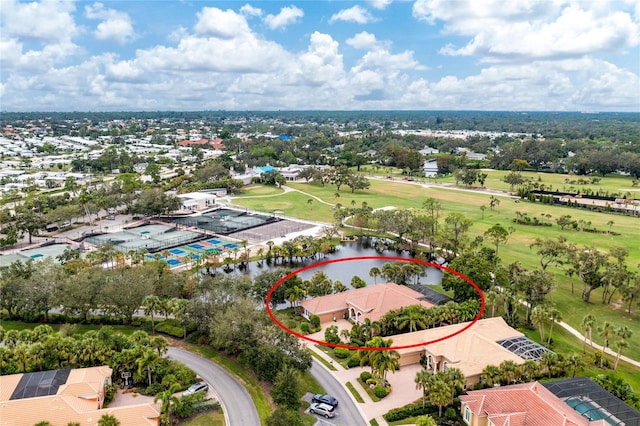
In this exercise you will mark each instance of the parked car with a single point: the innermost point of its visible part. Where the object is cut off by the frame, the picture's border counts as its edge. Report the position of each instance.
(325, 399)
(197, 388)
(322, 409)
(111, 217)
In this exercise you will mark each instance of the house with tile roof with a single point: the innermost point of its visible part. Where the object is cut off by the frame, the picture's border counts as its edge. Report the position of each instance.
(370, 302)
(64, 396)
(470, 351)
(527, 404)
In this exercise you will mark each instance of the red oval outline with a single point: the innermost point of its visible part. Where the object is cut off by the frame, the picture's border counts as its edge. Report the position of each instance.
(359, 348)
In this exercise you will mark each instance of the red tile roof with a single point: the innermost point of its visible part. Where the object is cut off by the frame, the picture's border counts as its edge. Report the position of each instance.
(527, 404)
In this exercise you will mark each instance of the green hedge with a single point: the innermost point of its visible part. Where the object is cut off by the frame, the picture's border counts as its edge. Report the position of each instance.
(410, 410)
(168, 328)
(341, 353)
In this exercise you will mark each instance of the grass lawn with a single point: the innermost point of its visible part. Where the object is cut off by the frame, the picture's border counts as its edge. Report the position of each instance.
(259, 190)
(408, 195)
(206, 419)
(354, 392)
(329, 351)
(323, 361)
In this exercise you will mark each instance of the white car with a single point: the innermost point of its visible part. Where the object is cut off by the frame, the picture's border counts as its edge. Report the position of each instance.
(197, 388)
(322, 409)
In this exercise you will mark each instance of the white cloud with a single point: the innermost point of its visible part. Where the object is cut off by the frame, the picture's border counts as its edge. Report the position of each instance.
(224, 24)
(356, 14)
(249, 10)
(116, 26)
(47, 21)
(531, 29)
(379, 4)
(363, 40)
(288, 15)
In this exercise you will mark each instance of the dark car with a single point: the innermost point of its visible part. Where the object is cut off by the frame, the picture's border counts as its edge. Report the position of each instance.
(196, 388)
(325, 399)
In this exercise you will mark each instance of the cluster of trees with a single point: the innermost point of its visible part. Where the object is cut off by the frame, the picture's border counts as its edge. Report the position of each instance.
(439, 388)
(416, 317)
(606, 330)
(338, 175)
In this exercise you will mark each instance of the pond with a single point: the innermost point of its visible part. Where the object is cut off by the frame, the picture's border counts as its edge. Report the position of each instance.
(345, 271)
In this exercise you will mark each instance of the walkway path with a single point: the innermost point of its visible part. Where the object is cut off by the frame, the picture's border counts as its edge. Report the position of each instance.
(599, 347)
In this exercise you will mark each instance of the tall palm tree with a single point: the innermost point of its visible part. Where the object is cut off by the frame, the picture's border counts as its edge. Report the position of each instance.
(423, 382)
(440, 393)
(490, 375)
(605, 331)
(492, 298)
(152, 305)
(456, 379)
(623, 333)
(509, 371)
(587, 327)
(548, 361)
(147, 361)
(168, 399)
(538, 315)
(555, 316)
(374, 273)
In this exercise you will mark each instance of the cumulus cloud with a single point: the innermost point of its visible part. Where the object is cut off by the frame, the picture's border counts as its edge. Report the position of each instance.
(116, 26)
(288, 15)
(356, 14)
(379, 4)
(47, 21)
(531, 29)
(218, 23)
(363, 40)
(249, 10)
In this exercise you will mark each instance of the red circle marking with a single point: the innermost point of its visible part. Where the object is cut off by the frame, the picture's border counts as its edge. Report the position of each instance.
(347, 259)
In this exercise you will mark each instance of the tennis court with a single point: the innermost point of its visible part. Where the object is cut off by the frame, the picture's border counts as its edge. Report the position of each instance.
(189, 253)
(152, 238)
(226, 221)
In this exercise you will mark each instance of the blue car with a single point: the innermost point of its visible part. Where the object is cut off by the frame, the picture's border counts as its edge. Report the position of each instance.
(324, 399)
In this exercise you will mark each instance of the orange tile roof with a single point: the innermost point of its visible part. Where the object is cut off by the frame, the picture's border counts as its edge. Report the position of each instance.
(527, 404)
(373, 300)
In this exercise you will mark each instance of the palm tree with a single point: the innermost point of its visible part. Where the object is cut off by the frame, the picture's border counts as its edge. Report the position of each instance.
(556, 316)
(168, 399)
(425, 420)
(538, 315)
(374, 273)
(108, 420)
(575, 362)
(490, 375)
(509, 371)
(152, 305)
(547, 361)
(530, 370)
(423, 381)
(179, 311)
(604, 330)
(456, 379)
(440, 393)
(147, 362)
(623, 333)
(587, 327)
(413, 317)
(492, 298)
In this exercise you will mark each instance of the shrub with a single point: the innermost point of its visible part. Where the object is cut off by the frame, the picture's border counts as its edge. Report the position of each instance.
(410, 410)
(341, 352)
(354, 361)
(170, 329)
(305, 327)
(291, 324)
(315, 321)
(380, 391)
(331, 335)
(364, 376)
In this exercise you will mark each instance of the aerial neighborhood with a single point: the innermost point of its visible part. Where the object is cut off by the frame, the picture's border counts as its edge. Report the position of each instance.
(380, 268)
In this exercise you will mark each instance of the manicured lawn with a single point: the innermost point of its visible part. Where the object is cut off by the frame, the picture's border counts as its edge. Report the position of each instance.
(408, 195)
(323, 361)
(259, 190)
(206, 419)
(354, 392)
(329, 351)
(290, 204)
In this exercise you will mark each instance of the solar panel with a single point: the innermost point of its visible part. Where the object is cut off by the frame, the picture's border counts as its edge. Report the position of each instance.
(40, 383)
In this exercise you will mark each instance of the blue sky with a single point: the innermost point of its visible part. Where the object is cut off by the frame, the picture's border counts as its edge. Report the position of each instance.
(550, 55)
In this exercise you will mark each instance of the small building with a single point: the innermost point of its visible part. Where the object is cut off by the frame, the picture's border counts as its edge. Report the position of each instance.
(370, 302)
(197, 201)
(64, 396)
(430, 168)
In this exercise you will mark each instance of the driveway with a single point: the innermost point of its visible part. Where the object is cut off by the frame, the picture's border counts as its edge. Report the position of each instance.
(236, 402)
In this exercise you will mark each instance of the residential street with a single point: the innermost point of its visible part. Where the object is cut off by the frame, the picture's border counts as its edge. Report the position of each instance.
(235, 400)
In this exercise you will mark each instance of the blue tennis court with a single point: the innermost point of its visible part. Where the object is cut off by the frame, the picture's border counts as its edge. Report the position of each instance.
(214, 241)
(176, 251)
(230, 246)
(174, 262)
(196, 246)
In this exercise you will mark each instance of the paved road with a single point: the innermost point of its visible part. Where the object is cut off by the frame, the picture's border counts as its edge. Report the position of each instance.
(236, 402)
(348, 413)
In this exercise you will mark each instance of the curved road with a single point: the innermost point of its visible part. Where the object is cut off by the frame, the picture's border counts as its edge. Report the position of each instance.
(236, 402)
(348, 413)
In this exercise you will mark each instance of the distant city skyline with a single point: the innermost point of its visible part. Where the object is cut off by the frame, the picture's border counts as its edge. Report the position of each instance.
(495, 55)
